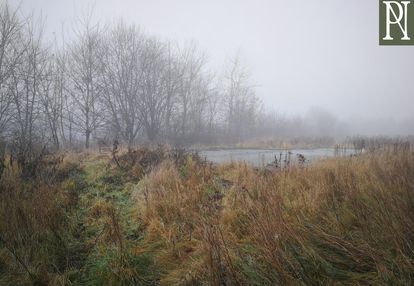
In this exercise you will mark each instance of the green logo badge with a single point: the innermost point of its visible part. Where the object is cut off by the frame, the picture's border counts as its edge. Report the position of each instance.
(396, 22)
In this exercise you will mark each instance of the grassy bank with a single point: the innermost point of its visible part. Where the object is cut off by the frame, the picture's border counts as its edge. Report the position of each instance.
(172, 219)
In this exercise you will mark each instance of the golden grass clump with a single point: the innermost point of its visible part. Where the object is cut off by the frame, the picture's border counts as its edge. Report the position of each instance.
(341, 220)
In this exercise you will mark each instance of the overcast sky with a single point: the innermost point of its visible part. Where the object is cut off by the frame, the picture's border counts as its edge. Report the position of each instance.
(301, 53)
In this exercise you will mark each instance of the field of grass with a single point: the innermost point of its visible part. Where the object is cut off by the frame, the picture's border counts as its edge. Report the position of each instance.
(176, 220)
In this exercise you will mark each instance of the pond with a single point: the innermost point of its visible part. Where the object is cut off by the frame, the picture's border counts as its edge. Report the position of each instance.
(261, 157)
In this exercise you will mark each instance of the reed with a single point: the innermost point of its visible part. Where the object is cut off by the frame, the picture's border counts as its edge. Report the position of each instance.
(183, 221)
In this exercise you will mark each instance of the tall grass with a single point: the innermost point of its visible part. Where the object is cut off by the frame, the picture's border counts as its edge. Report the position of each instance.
(183, 221)
(345, 220)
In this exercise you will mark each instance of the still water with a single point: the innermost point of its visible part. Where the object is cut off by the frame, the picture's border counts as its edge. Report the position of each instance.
(260, 157)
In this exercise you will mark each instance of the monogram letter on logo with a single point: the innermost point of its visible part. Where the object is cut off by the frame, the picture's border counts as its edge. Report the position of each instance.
(399, 15)
(396, 26)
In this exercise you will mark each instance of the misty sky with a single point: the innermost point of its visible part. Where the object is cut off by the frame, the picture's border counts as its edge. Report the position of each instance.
(301, 53)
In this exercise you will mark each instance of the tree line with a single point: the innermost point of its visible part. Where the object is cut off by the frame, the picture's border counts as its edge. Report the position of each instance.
(114, 82)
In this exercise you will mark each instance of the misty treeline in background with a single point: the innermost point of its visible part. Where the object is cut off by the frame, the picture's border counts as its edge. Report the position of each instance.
(115, 82)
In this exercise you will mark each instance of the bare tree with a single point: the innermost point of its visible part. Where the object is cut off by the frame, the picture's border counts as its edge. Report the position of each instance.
(60, 90)
(27, 79)
(240, 101)
(198, 107)
(172, 86)
(153, 88)
(122, 79)
(213, 111)
(192, 64)
(53, 99)
(11, 51)
(85, 73)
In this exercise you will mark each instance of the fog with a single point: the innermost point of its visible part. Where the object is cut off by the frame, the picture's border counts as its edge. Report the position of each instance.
(301, 54)
(204, 142)
(82, 74)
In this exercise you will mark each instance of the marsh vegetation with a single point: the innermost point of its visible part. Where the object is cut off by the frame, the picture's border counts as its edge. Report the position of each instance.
(167, 217)
(125, 159)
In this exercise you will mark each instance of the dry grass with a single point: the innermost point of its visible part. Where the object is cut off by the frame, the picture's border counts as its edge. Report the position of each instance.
(342, 221)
